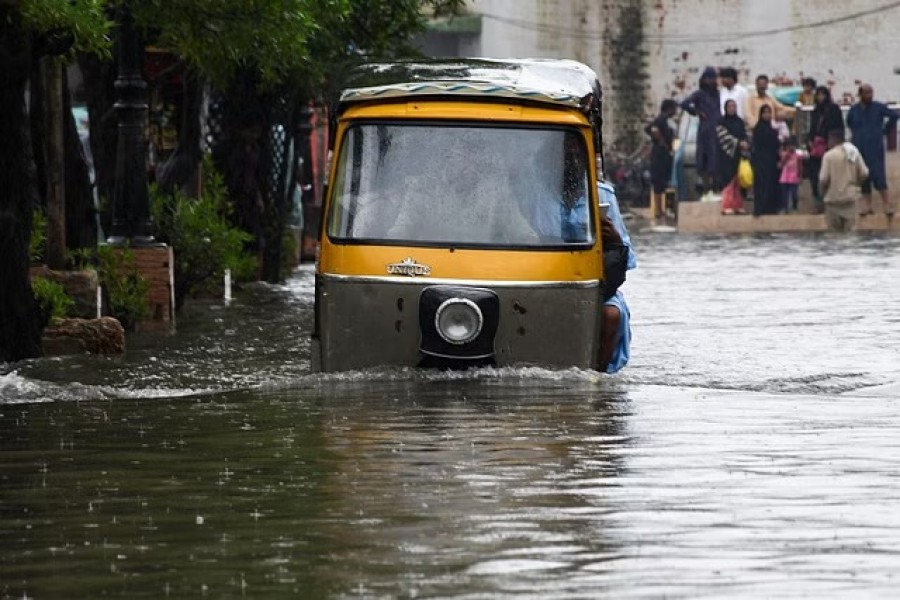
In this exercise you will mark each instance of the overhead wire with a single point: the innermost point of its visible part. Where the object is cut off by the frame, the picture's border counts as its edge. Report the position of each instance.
(715, 37)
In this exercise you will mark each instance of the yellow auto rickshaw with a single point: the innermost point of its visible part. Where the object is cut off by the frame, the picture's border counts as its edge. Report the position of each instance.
(461, 219)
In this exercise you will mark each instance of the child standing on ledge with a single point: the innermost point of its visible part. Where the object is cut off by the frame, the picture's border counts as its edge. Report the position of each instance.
(791, 164)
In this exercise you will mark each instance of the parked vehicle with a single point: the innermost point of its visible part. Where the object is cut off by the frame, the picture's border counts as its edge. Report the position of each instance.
(461, 221)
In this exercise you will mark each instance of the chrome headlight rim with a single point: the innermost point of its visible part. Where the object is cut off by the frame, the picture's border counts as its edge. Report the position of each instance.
(456, 301)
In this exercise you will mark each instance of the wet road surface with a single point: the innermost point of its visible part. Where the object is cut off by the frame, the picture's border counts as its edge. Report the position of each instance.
(751, 449)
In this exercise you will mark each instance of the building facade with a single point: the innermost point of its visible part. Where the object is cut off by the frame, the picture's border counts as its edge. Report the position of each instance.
(648, 50)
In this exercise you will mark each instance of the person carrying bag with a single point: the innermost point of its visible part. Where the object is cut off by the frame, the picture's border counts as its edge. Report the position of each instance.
(732, 136)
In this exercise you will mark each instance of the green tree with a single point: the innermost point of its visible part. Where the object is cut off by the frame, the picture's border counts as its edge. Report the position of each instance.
(306, 47)
(369, 30)
(267, 57)
(372, 30)
(221, 38)
(29, 29)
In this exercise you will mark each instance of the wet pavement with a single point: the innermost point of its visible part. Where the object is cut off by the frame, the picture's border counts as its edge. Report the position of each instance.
(751, 449)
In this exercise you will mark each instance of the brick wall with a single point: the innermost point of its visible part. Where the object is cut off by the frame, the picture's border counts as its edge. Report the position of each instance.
(155, 263)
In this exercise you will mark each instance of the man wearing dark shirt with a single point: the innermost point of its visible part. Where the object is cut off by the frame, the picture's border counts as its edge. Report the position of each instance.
(706, 105)
(661, 136)
(869, 120)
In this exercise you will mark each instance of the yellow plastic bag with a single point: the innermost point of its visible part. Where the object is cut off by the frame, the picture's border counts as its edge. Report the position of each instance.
(745, 174)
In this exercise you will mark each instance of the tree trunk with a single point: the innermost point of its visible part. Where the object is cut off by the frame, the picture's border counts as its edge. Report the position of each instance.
(281, 179)
(20, 326)
(81, 214)
(54, 171)
(99, 77)
(281, 174)
(37, 121)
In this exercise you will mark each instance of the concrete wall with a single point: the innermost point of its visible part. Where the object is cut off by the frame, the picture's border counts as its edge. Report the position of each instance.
(590, 31)
(542, 29)
(677, 38)
(685, 35)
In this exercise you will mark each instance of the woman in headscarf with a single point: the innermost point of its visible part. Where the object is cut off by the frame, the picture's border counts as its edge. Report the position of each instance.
(764, 158)
(826, 116)
(732, 142)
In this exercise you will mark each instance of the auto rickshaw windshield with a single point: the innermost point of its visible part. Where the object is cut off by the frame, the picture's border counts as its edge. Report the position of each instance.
(461, 185)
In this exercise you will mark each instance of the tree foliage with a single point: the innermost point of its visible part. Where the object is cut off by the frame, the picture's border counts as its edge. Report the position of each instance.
(283, 42)
(220, 38)
(268, 57)
(371, 30)
(128, 292)
(52, 298)
(29, 29)
(204, 240)
(69, 26)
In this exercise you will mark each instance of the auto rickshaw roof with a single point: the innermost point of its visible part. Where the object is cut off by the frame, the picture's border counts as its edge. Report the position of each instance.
(550, 81)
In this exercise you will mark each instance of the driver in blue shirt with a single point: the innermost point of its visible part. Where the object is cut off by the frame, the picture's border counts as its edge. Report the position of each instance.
(562, 223)
(615, 342)
(565, 217)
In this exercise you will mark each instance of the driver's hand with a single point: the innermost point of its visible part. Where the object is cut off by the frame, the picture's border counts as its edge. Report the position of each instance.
(608, 231)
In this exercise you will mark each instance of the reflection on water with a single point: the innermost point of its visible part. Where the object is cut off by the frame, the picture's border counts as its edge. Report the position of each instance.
(726, 461)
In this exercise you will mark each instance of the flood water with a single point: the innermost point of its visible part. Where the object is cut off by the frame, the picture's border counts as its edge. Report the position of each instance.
(751, 449)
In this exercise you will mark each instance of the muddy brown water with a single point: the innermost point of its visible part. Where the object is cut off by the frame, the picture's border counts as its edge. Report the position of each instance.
(751, 449)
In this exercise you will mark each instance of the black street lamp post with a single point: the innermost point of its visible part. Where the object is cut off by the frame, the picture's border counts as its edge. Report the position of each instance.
(131, 202)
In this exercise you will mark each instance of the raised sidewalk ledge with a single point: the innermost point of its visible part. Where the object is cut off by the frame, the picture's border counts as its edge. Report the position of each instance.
(707, 217)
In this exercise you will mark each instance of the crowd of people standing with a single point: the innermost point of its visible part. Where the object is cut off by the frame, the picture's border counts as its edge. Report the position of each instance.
(736, 125)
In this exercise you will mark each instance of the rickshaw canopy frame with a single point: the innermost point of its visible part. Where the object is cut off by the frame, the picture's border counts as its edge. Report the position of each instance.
(566, 83)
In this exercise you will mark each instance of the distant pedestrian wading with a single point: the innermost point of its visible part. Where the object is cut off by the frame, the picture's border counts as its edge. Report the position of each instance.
(843, 173)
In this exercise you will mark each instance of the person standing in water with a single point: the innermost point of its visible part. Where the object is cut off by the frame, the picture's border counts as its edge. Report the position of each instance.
(843, 170)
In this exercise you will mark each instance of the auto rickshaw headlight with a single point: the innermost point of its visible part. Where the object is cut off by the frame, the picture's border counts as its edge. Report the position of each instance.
(458, 321)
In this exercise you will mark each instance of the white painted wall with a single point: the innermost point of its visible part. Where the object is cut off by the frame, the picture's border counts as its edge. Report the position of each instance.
(541, 29)
(683, 36)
